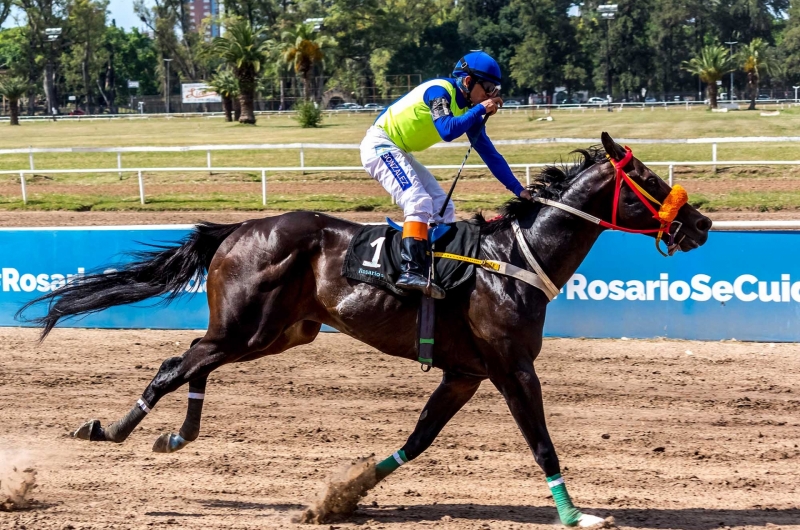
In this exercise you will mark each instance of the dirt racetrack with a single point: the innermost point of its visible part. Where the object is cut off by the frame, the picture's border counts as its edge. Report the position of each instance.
(659, 434)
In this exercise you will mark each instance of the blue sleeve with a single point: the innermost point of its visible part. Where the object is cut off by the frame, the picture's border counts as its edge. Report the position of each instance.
(497, 164)
(451, 127)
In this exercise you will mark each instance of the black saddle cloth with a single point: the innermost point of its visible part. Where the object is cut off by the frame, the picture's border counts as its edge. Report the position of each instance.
(374, 256)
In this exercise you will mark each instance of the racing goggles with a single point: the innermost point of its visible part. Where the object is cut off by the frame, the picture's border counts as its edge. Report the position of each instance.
(490, 88)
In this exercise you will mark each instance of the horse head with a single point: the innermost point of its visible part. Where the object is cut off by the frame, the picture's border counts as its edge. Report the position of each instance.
(642, 202)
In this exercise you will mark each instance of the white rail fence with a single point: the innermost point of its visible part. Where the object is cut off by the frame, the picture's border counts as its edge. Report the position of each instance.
(264, 170)
(301, 148)
(573, 107)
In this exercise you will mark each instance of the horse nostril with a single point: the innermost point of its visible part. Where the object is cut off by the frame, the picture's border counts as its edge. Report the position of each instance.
(703, 224)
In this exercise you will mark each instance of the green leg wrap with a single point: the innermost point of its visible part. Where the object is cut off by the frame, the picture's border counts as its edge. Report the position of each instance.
(390, 464)
(567, 511)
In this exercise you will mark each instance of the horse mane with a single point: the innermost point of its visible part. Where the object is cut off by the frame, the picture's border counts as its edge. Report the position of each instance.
(550, 183)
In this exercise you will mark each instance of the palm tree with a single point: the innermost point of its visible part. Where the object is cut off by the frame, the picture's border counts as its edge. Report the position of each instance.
(303, 48)
(13, 89)
(245, 51)
(712, 63)
(756, 59)
(224, 83)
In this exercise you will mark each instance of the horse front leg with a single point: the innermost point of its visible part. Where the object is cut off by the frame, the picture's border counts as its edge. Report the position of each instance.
(523, 393)
(340, 498)
(450, 396)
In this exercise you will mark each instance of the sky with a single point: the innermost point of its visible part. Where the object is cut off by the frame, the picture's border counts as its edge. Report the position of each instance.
(119, 10)
(122, 12)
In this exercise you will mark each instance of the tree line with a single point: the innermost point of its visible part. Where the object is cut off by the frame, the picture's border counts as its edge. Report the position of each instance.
(653, 47)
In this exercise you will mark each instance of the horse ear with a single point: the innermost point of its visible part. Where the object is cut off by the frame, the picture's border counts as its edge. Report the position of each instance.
(613, 149)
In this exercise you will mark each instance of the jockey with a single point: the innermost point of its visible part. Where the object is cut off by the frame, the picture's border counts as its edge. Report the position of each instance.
(440, 109)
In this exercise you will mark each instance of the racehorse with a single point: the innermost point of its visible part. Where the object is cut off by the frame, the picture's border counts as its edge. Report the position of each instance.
(273, 282)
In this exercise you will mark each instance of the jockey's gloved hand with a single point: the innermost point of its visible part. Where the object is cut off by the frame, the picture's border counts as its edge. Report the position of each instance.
(525, 194)
(492, 104)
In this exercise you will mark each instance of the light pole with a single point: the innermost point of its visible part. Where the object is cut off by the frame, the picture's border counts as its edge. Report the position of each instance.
(731, 43)
(608, 11)
(167, 83)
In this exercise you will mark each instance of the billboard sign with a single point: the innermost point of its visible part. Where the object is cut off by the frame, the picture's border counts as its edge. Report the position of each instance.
(199, 93)
(740, 285)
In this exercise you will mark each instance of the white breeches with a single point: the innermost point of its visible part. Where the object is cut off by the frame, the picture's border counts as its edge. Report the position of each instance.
(410, 183)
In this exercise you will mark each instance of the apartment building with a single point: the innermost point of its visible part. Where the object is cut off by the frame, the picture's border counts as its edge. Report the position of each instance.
(202, 9)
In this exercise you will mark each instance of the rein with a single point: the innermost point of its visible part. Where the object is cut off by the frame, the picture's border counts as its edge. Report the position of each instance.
(665, 215)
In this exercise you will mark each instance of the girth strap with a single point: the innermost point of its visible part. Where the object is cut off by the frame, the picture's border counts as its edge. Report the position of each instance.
(427, 319)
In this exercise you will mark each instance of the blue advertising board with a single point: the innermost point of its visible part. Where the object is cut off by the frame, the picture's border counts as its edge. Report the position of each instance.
(742, 285)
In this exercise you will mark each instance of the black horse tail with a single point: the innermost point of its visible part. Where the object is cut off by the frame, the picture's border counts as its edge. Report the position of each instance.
(165, 271)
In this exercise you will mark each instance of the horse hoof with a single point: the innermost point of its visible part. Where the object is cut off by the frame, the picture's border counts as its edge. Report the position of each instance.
(86, 430)
(169, 443)
(592, 521)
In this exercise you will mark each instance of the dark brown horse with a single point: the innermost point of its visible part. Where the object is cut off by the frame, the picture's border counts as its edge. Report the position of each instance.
(273, 282)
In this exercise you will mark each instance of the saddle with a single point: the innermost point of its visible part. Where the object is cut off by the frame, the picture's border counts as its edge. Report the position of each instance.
(373, 257)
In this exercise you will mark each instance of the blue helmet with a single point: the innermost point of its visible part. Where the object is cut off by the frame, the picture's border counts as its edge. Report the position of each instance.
(478, 64)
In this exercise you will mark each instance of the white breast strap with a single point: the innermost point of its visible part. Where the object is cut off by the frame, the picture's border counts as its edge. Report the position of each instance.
(570, 209)
(526, 276)
(550, 289)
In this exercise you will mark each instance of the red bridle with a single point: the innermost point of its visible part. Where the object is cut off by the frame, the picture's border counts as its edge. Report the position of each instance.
(666, 213)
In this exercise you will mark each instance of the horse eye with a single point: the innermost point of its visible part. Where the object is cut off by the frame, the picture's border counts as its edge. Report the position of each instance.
(652, 180)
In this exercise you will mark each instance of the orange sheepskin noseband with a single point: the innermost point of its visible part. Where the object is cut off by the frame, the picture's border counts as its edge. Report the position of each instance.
(676, 198)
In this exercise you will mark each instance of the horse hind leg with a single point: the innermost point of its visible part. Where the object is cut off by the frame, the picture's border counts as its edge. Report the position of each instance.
(198, 361)
(302, 332)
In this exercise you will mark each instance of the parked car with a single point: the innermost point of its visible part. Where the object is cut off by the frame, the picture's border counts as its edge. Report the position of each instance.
(650, 99)
(512, 103)
(597, 101)
(374, 106)
(571, 101)
(77, 112)
(763, 97)
(348, 106)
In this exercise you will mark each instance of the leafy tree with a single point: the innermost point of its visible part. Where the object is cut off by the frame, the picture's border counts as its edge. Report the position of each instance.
(13, 89)
(790, 47)
(745, 20)
(44, 53)
(87, 56)
(303, 47)
(5, 10)
(711, 64)
(245, 51)
(633, 57)
(546, 56)
(176, 38)
(671, 38)
(756, 59)
(224, 83)
(12, 49)
(259, 13)
(134, 58)
(439, 48)
(494, 27)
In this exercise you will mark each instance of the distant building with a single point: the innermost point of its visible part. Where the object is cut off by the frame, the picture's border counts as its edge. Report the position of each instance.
(202, 9)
